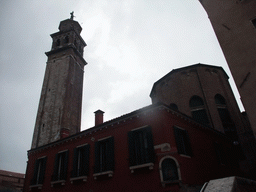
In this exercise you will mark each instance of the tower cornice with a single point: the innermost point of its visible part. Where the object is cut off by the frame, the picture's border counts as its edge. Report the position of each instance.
(70, 46)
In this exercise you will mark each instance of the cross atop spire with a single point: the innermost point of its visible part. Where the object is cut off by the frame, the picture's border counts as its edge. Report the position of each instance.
(72, 15)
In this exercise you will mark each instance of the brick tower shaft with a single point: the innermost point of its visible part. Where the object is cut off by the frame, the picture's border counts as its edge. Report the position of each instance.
(59, 110)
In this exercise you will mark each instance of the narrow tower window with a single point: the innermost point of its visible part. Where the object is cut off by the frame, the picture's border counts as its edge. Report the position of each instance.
(75, 43)
(66, 39)
(254, 22)
(228, 124)
(198, 110)
(58, 42)
(174, 106)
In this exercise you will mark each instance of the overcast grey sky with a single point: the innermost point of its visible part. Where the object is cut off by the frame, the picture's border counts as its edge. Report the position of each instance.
(130, 45)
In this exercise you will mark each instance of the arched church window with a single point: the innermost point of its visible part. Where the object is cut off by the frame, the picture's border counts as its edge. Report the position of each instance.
(75, 43)
(174, 106)
(58, 42)
(227, 123)
(198, 110)
(219, 100)
(66, 39)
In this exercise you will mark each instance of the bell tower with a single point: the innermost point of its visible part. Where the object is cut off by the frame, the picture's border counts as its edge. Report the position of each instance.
(59, 111)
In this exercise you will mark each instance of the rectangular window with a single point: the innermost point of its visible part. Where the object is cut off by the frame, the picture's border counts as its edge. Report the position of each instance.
(60, 166)
(141, 146)
(254, 22)
(81, 161)
(39, 171)
(104, 155)
(182, 141)
(222, 158)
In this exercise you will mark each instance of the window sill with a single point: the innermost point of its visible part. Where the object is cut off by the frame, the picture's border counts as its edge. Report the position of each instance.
(84, 178)
(109, 173)
(164, 183)
(62, 182)
(39, 186)
(183, 155)
(149, 165)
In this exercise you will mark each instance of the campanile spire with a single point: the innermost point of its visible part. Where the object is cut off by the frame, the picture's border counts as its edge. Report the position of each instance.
(59, 111)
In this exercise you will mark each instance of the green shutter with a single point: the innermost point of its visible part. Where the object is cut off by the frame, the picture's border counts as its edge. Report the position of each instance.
(75, 161)
(110, 154)
(85, 151)
(131, 148)
(86, 160)
(220, 153)
(178, 139)
(188, 149)
(34, 179)
(84, 163)
(55, 169)
(151, 150)
(182, 141)
(65, 166)
(42, 171)
(97, 158)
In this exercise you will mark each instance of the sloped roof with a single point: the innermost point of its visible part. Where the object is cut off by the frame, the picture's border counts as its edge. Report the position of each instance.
(125, 117)
(11, 174)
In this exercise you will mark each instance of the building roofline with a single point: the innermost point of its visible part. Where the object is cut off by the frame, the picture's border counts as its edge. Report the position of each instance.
(186, 68)
(135, 113)
(11, 174)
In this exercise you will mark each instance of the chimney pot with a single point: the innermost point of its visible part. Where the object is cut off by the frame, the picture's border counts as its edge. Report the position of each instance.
(64, 132)
(98, 117)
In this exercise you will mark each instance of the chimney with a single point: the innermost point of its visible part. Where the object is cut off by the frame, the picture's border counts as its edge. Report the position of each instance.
(98, 117)
(64, 132)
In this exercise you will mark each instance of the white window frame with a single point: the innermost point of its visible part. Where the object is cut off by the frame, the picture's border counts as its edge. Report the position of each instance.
(161, 172)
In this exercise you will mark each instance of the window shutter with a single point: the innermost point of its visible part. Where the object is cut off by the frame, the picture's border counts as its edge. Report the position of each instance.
(33, 181)
(220, 153)
(151, 151)
(55, 169)
(97, 158)
(140, 151)
(131, 148)
(110, 154)
(188, 149)
(65, 166)
(75, 161)
(42, 171)
(178, 140)
(182, 141)
(86, 159)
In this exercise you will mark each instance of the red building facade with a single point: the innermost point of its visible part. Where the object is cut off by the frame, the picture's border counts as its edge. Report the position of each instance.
(151, 149)
(203, 92)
